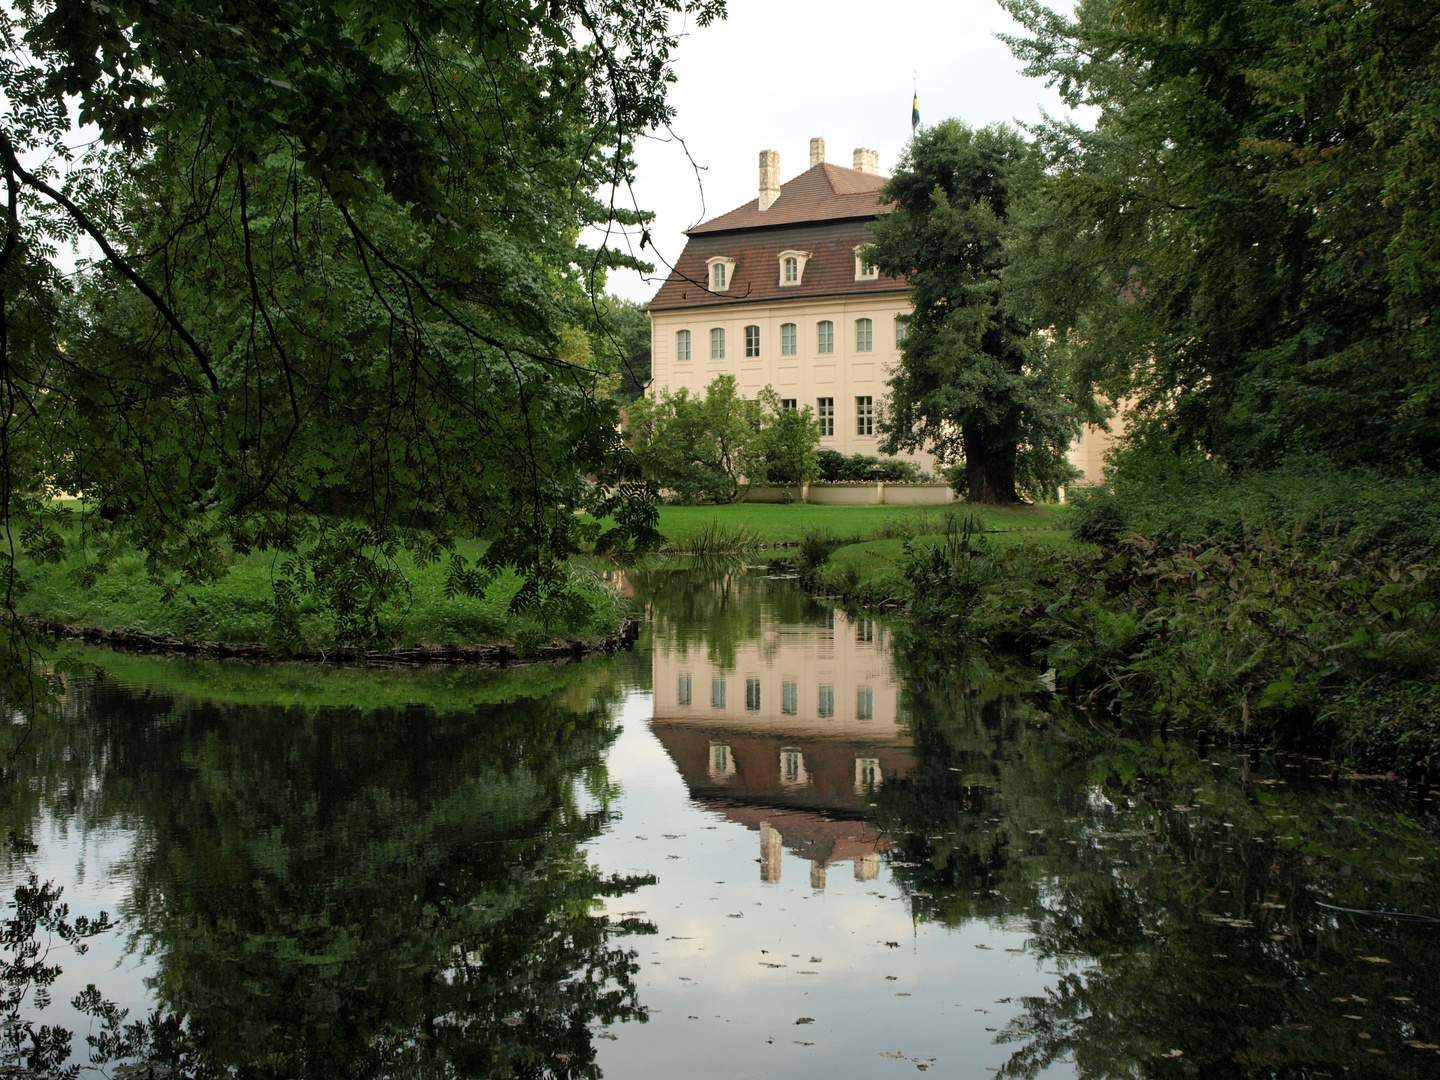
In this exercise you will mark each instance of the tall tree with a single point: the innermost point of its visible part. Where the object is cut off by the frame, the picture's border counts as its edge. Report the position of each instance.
(339, 260)
(972, 383)
(1248, 228)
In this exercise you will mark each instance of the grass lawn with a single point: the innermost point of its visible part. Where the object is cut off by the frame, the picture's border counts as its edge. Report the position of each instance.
(872, 569)
(236, 609)
(773, 523)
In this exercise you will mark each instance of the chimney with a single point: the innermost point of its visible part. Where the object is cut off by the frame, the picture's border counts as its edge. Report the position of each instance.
(817, 152)
(867, 161)
(769, 178)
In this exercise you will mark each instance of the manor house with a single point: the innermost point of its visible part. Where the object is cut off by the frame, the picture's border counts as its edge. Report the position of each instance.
(777, 293)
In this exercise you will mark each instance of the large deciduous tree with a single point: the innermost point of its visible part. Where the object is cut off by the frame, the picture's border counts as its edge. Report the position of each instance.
(1248, 229)
(973, 383)
(340, 261)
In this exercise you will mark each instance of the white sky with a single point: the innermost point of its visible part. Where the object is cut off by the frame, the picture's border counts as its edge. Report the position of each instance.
(777, 72)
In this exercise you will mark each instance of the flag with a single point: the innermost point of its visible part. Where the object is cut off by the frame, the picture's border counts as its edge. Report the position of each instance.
(915, 114)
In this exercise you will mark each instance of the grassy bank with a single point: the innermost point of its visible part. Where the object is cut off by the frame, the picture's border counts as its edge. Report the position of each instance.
(1311, 626)
(238, 608)
(772, 523)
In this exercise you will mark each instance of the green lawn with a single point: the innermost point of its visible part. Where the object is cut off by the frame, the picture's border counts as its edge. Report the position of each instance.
(772, 523)
(872, 569)
(236, 608)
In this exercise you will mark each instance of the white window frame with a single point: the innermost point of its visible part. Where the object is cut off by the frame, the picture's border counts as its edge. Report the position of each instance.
(825, 340)
(717, 343)
(864, 335)
(825, 414)
(683, 352)
(902, 329)
(801, 258)
(756, 345)
(789, 339)
(864, 415)
(865, 271)
(729, 271)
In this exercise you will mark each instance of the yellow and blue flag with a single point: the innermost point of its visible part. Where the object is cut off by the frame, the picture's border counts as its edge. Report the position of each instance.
(915, 114)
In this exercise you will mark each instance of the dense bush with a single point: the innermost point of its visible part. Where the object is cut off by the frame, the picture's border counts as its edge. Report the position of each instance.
(1264, 637)
(1193, 499)
(836, 468)
(712, 448)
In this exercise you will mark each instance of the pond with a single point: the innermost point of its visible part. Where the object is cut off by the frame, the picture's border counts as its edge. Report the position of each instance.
(774, 839)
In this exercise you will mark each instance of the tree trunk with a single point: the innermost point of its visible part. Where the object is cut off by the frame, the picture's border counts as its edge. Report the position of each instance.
(989, 470)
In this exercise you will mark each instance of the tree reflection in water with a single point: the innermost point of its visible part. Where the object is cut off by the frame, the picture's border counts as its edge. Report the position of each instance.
(337, 892)
(1178, 900)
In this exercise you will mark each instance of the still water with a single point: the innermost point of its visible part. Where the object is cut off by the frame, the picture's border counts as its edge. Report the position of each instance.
(773, 840)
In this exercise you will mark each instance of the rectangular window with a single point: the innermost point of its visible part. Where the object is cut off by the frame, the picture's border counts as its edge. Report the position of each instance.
(717, 344)
(789, 404)
(789, 698)
(864, 335)
(717, 692)
(752, 341)
(792, 766)
(864, 416)
(752, 694)
(683, 692)
(864, 703)
(825, 413)
(825, 337)
(787, 339)
(902, 330)
(827, 699)
(682, 345)
(864, 631)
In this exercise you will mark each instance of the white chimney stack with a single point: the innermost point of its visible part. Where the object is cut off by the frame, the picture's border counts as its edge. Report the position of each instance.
(817, 152)
(867, 161)
(769, 178)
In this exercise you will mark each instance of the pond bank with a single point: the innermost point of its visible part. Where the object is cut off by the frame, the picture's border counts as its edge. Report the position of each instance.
(1264, 640)
(497, 655)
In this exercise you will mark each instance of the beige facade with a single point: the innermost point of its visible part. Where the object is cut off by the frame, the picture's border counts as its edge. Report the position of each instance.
(843, 379)
(777, 293)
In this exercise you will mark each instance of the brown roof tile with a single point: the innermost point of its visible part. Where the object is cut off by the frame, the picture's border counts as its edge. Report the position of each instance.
(824, 192)
(756, 277)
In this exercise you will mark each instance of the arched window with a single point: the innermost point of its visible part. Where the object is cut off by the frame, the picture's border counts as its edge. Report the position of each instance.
(787, 339)
(717, 343)
(717, 276)
(792, 267)
(825, 336)
(864, 335)
(902, 329)
(752, 341)
(682, 345)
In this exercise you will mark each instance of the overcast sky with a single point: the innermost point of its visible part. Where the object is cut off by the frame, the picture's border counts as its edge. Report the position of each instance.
(778, 72)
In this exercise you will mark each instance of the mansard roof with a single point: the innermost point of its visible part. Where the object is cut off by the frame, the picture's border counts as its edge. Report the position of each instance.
(825, 211)
(823, 192)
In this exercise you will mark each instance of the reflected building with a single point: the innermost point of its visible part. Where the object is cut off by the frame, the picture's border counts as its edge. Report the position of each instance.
(793, 739)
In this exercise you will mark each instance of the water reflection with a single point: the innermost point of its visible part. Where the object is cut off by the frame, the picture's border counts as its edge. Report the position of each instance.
(336, 891)
(859, 857)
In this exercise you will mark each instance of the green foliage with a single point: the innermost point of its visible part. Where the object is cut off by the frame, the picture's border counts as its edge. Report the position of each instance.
(714, 448)
(343, 310)
(973, 382)
(1192, 498)
(835, 467)
(1256, 637)
(1243, 244)
(789, 442)
(624, 334)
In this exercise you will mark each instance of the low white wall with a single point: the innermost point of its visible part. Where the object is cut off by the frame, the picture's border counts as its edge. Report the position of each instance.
(856, 494)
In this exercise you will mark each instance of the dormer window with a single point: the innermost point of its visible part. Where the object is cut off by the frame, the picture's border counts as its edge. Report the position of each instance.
(721, 273)
(792, 267)
(864, 269)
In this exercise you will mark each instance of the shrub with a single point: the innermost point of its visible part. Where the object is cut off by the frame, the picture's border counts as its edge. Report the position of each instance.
(836, 468)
